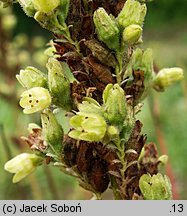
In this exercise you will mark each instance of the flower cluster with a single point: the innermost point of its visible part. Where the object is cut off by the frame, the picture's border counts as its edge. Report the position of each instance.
(98, 79)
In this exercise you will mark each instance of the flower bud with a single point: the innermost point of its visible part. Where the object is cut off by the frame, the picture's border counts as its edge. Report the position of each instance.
(132, 34)
(112, 133)
(31, 77)
(89, 127)
(59, 84)
(167, 77)
(115, 107)
(35, 99)
(156, 187)
(28, 7)
(22, 165)
(132, 13)
(52, 131)
(106, 28)
(45, 6)
(147, 64)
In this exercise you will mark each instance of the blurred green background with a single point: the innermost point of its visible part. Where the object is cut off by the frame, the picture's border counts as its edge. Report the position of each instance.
(164, 115)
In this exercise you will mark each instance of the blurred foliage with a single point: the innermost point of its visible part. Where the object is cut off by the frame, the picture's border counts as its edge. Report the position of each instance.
(25, 43)
(161, 12)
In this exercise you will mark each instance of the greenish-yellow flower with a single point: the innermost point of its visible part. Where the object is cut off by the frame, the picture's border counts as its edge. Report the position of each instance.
(132, 34)
(167, 77)
(35, 99)
(88, 126)
(156, 187)
(22, 165)
(46, 6)
(31, 77)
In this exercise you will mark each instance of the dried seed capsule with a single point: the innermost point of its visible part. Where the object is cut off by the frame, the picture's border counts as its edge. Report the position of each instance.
(97, 176)
(70, 150)
(84, 157)
(106, 28)
(102, 72)
(104, 55)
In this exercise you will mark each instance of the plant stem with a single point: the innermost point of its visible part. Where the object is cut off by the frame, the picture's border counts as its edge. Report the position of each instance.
(121, 156)
(115, 188)
(5, 142)
(119, 67)
(66, 33)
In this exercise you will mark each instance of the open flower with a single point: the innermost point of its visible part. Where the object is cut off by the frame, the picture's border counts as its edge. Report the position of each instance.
(156, 187)
(22, 165)
(88, 127)
(35, 99)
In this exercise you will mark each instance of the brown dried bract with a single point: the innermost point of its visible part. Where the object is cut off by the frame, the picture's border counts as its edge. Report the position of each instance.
(108, 155)
(70, 151)
(111, 6)
(97, 176)
(102, 72)
(101, 52)
(84, 157)
(150, 162)
(35, 140)
(136, 89)
(135, 142)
